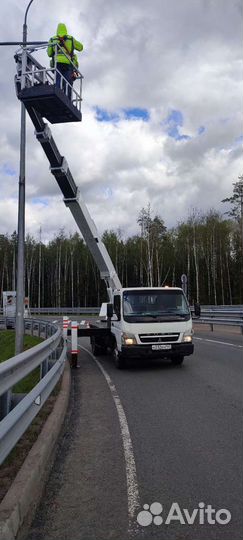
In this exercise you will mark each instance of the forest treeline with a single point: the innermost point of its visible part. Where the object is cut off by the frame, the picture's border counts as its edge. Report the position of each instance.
(207, 248)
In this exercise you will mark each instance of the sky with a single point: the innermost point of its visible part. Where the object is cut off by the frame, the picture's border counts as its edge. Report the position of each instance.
(162, 112)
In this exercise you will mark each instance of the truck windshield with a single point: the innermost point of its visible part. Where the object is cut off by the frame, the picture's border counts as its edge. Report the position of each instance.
(159, 305)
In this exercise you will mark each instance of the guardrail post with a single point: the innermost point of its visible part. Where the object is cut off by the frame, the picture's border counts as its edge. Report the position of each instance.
(44, 368)
(45, 331)
(74, 344)
(58, 350)
(5, 404)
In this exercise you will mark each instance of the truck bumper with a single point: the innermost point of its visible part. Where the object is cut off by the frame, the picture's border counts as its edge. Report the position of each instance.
(146, 351)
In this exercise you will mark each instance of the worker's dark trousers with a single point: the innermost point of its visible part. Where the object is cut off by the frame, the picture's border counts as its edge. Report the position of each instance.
(67, 71)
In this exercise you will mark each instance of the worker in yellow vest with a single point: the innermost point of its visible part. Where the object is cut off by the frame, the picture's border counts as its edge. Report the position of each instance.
(64, 56)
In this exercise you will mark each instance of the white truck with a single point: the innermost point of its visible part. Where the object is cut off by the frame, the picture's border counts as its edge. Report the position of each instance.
(140, 322)
(146, 322)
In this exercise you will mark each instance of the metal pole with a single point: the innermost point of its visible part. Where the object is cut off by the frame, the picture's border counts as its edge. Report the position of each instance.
(14, 43)
(19, 330)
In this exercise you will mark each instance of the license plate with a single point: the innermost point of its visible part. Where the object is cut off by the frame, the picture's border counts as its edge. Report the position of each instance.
(161, 347)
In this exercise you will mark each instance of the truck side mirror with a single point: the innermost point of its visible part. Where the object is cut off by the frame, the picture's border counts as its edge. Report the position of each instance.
(197, 309)
(109, 310)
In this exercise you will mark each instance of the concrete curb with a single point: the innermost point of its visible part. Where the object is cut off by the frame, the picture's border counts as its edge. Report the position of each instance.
(24, 494)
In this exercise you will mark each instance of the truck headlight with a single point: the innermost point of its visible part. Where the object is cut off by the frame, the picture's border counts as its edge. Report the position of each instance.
(128, 339)
(187, 337)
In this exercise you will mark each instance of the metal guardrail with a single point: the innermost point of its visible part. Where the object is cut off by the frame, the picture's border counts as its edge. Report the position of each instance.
(222, 307)
(50, 356)
(222, 312)
(66, 310)
(221, 315)
(211, 321)
(61, 311)
(205, 310)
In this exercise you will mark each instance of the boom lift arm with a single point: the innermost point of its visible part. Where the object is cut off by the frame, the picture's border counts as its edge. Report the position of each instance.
(59, 168)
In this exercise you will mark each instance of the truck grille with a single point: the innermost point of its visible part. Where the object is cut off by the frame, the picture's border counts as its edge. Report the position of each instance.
(159, 338)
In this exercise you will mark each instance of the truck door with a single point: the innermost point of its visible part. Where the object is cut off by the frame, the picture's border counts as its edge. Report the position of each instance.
(116, 324)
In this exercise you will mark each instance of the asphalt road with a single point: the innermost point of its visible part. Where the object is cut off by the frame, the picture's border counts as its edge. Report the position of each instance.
(151, 433)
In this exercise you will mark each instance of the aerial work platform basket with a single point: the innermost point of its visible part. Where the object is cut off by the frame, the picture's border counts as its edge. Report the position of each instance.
(36, 87)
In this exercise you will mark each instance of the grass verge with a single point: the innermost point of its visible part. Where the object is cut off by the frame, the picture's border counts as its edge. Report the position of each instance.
(7, 343)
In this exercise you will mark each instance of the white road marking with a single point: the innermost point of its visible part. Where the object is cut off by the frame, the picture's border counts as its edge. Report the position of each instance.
(131, 473)
(221, 342)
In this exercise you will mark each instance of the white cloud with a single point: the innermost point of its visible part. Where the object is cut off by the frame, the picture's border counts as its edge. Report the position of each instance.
(160, 56)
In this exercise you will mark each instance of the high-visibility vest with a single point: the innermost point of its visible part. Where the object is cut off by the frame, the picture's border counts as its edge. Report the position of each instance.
(68, 44)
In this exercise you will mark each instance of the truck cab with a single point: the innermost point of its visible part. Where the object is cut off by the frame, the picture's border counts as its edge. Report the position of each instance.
(151, 323)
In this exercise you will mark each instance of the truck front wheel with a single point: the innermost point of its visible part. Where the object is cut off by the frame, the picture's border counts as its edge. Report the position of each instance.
(177, 360)
(119, 360)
